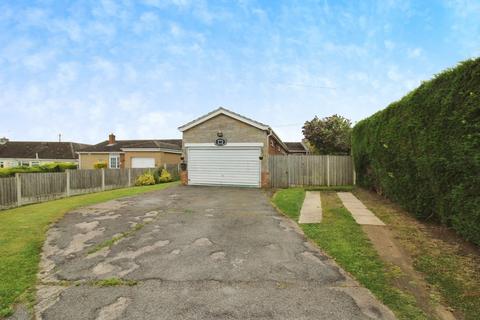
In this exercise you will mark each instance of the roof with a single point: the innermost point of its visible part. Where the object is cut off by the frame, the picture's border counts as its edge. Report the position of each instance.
(226, 112)
(296, 147)
(44, 150)
(120, 145)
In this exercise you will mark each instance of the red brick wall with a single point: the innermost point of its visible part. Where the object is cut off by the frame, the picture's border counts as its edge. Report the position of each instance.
(274, 147)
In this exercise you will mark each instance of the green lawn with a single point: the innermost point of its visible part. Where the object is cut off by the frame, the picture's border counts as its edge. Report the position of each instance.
(344, 240)
(22, 233)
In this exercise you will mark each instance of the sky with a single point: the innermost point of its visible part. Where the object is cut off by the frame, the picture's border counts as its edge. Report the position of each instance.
(141, 69)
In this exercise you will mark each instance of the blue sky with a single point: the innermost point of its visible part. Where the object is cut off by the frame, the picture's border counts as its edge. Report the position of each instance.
(143, 68)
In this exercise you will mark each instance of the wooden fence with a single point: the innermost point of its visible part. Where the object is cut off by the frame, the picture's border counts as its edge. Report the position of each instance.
(310, 170)
(27, 188)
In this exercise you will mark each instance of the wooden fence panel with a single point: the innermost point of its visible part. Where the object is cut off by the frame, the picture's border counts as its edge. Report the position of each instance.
(310, 170)
(37, 187)
(8, 193)
(116, 178)
(85, 181)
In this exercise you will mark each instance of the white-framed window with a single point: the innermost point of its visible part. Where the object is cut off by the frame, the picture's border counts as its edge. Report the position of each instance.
(24, 163)
(114, 161)
(35, 163)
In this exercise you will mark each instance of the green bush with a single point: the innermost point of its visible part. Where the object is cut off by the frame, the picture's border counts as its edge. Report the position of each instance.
(424, 150)
(165, 176)
(145, 179)
(100, 165)
(47, 167)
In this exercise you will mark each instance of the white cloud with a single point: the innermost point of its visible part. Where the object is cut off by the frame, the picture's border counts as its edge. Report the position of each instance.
(414, 52)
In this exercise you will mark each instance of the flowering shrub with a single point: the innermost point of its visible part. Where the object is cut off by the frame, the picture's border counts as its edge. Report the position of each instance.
(145, 179)
(165, 176)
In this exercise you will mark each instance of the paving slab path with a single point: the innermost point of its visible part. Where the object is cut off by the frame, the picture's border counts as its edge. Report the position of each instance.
(202, 253)
(311, 211)
(358, 210)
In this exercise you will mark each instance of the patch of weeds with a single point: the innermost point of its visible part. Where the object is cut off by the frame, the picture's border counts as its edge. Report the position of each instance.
(110, 242)
(113, 282)
(188, 211)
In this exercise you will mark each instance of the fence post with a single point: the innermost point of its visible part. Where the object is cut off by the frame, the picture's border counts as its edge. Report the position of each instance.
(18, 182)
(103, 179)
(328, 170)
(129, 177)
(354, 176)
(68, 182)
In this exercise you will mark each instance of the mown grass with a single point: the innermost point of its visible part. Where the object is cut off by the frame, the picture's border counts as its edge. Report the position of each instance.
(453, 271)
(22, 233)
(344, 241)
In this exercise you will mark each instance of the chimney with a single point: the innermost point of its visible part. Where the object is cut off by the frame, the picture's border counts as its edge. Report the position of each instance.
(111, 138)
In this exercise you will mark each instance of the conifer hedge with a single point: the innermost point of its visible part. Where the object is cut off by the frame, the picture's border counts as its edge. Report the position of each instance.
(423, 151)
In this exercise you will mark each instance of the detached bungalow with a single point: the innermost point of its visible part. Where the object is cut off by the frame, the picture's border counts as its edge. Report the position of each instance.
(131, 153)
(34, 153)
(226, 148)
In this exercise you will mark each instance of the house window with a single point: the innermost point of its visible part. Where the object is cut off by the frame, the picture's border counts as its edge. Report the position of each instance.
(2, 164)
(24, 164)
(114, 161)
(35, 163)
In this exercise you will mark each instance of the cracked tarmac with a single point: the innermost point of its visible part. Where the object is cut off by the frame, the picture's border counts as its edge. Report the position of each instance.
(201, 253)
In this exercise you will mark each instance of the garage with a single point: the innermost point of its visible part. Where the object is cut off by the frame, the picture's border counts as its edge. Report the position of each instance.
(138, 162)
(224, 148)
(233, 165)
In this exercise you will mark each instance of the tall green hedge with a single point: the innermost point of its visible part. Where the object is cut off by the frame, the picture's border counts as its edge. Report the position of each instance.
(423, 151)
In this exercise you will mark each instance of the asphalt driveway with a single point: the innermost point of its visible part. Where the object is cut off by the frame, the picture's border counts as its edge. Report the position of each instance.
(192, 253)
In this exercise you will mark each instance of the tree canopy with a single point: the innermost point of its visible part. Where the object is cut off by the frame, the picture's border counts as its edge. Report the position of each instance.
(330, 135)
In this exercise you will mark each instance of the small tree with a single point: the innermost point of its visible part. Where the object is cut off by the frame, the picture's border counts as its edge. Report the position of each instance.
(330, 135)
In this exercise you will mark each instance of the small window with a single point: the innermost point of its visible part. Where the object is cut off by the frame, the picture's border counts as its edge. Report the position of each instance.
(2, 164)
(35, 163)
(24, 164)
(114, 161)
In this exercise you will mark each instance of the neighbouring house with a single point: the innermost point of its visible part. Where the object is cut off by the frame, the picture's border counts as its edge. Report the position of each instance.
(298, 148)
(118, 154)
(225, 148)
(34, 153)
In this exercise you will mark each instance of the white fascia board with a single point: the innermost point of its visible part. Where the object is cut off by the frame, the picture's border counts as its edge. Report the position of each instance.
(225, 112)
(233, 144)
(151, 150)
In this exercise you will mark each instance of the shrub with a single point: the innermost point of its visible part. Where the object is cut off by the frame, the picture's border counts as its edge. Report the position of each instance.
(424, 150)
(48, 167)
(145, 179)
(165, 176)
(100, 165)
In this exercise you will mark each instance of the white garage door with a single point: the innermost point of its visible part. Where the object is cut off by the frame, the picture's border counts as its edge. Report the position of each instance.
(226, 165)
(143, 162)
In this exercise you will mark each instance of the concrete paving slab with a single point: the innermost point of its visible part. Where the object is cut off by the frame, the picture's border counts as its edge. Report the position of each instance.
(358, 210)
(311, 211)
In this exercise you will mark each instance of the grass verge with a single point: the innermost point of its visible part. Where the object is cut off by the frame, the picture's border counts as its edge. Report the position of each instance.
(22, 233)
(449, 265)
(343, 239)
